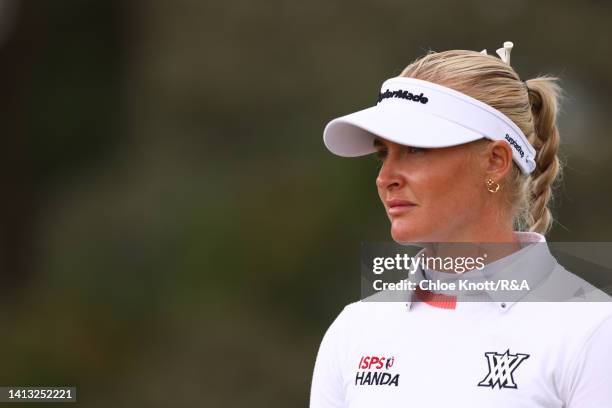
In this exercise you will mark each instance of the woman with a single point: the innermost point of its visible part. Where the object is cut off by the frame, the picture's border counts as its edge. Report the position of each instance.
(469, 154)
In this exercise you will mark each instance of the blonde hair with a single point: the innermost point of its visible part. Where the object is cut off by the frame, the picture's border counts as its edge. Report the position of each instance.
(533, 105)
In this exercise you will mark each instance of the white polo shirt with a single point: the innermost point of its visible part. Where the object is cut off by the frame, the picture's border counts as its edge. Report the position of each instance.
(498, 353)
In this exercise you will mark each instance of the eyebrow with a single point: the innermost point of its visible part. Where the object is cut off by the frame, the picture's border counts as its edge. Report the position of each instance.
(378, 143)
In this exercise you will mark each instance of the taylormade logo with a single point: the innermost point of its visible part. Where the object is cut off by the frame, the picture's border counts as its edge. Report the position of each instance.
(400, 93)
(515, 145)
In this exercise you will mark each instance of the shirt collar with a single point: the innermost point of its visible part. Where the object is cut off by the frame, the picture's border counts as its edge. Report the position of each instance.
(532, 263)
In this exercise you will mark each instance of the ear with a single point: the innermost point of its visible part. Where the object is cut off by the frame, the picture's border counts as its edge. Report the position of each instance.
(499, 159)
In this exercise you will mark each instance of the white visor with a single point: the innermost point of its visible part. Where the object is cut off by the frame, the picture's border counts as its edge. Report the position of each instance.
(419, 113)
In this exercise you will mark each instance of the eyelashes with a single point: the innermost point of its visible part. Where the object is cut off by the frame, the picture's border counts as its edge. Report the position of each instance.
(416, 150)
(381, 154)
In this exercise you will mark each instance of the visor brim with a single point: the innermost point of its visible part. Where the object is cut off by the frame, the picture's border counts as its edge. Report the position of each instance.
(353, 134)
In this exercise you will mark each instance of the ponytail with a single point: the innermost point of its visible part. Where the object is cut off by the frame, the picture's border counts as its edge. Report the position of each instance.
(544, 98)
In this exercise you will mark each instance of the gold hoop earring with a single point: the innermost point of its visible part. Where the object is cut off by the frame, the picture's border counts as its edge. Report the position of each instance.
(490, 184)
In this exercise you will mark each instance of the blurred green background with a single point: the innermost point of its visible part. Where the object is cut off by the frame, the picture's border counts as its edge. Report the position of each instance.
(174, 232)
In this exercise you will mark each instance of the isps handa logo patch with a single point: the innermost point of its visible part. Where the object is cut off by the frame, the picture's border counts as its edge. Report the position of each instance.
(376, 370)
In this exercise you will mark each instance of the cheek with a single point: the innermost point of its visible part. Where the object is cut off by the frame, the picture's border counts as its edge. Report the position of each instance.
(454, 197)
(449, 196)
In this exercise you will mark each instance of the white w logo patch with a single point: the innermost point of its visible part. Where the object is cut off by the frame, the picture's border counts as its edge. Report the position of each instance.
(501, 367)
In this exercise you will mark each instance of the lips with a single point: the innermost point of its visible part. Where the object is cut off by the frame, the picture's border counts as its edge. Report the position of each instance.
(396, 206)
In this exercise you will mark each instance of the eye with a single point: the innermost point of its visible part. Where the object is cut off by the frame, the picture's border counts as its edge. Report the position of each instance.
(381, 154)
(414, 150)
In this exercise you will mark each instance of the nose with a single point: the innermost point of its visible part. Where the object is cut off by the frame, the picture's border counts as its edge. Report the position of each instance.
(388, 176)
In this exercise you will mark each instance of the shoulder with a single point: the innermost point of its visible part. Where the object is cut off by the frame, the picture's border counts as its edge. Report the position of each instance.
(375, 306)
(587, 374)
(357, 318)
(562, 285)
(568, 311)
(570, 301)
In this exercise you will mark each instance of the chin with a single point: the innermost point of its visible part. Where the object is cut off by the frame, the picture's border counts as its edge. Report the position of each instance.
(408, 232)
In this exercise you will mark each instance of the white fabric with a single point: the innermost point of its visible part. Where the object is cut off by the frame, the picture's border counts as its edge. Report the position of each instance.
(423, 114)
(438, 355)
